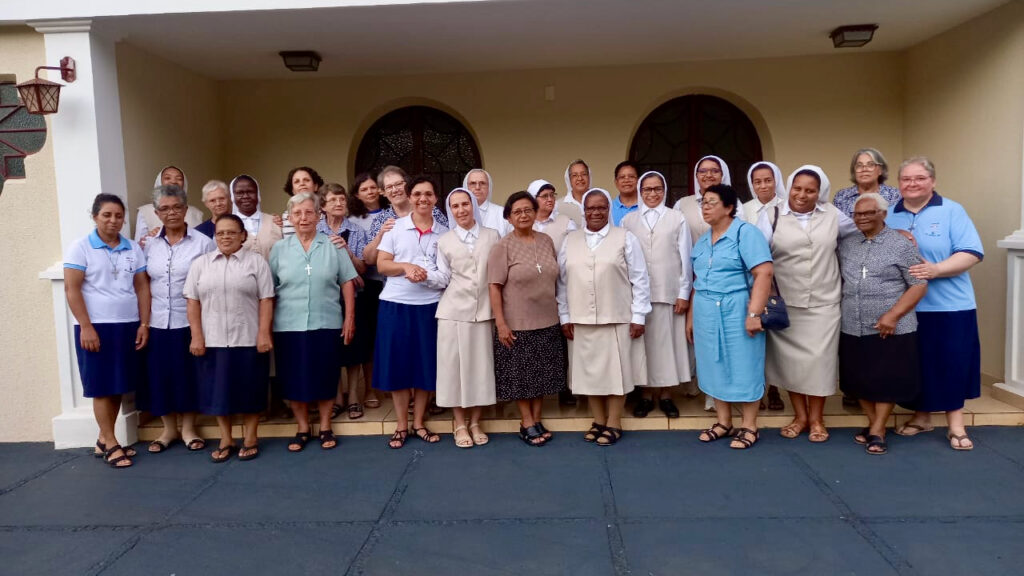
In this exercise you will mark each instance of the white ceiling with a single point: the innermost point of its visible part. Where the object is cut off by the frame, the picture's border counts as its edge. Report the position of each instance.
(515, 34)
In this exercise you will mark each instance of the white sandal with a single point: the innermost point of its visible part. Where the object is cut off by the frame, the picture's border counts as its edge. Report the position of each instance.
(479, 438)
(466, 442)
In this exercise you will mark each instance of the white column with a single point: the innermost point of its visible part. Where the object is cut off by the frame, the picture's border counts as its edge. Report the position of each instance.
(88, 156)
(1012, 390)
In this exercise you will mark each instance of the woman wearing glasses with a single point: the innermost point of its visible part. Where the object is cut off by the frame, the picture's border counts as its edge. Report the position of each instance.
(868, 172)
(548, 220)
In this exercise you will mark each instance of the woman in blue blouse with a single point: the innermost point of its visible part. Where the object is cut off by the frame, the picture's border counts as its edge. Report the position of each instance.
(725, 323)
(947, 318)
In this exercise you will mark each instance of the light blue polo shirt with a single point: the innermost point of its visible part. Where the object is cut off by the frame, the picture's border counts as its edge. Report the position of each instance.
(109, 289)
(619, 210)
(942, 228)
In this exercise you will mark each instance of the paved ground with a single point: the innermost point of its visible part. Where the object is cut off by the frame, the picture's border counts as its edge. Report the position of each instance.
(659, 503)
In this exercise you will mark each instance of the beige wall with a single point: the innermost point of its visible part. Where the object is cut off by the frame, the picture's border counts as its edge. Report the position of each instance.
(808, 110)
(169, 115)
(29, 243)
(965, 110)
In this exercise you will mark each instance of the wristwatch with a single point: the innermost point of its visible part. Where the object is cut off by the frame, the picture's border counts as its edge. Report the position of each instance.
(752, 315)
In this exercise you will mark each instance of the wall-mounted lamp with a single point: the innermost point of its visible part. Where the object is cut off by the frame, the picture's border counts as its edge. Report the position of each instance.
(301, 60)
(853, 36)
(42, 96)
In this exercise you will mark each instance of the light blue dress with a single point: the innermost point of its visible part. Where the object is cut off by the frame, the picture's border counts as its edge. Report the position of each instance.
(730, 364)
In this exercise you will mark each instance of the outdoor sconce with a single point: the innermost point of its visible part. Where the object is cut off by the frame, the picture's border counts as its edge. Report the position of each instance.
(301, 60)
(42, 96)
(853, 36)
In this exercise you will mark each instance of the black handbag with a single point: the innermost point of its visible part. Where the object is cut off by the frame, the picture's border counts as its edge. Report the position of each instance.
(775, 315)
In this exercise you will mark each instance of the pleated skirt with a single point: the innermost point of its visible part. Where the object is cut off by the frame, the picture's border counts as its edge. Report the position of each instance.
(465, 364)
(730, 363)
(171, 384)
(405, 353)
(605, 361)
(118, 368)
(668, 359)
(804, 358)
(308, 364)
(950, 360)
(879, 370)
(232, 381)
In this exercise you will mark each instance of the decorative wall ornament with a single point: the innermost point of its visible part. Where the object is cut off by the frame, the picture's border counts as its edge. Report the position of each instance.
(21, 134)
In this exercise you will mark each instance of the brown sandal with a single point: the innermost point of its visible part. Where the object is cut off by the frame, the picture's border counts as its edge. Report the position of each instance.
(398, 437)
(711, 433)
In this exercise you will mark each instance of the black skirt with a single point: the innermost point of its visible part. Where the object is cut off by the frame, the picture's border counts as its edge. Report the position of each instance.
(534, 366)
(308, 363)
(879, 370)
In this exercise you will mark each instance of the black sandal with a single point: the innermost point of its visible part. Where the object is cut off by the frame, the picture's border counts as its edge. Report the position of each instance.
(594, 432)
(712, 433)
(336, 411)
(609, 435)
(129, 451)
(225, 454)
(745, 437)
(156, 446)
(426, 435)
(532, 436)
(113, 462)
(300, 440)
(548, 435)
(862, 436)
(355, 411)
(878, 443)
(325, 437)
(196, 444)
(399, 436)
(251, 455)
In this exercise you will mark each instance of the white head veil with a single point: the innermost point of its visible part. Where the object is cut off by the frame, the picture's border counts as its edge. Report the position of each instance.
(568, 183)
(726, 179)
(780, 186)
(231, 189)
(490, 183)
(648, 174)
(824, 191)
(537, 185)
(448, 207)
(159, 177)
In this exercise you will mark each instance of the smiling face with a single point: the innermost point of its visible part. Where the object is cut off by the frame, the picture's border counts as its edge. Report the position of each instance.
(803, 194)
(423, 199)
(218, 203)
(246, 196)
(336, 205)
(625, 180)
(303, 215)
(522, 215)
(462, 209)
(229, 235)
(172, 175)
(479, 185)
(866, 171)
(595, 211)
(303, 182)
(109, 220)
(916, 184)
(763, 183)
(579, 178)
(369, 194)
(709, 173)
(652, 191)
(868, 218)
(394, 189)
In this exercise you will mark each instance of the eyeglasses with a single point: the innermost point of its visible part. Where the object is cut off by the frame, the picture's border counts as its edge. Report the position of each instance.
(711, 171)
(523, 212)
(393, 187)
(546, 196)
(579, 175)
(652, 190)
(171, 209)
(914, 179)
(708, 203)
(865, 167)
(866, 213)
(335, 200)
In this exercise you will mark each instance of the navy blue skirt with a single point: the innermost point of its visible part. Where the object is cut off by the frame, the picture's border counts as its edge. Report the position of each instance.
(405, 355)
(232, 381)
(360, 350)
(171, 386)
(308, 364)
(950, 360)
(117, 368)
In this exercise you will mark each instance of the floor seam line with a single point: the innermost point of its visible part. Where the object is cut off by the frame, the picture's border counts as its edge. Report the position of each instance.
(19, 483)
(616, 546)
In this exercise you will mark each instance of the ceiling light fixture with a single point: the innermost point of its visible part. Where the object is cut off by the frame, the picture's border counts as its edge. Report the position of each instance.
(301, 60)
(853, 36)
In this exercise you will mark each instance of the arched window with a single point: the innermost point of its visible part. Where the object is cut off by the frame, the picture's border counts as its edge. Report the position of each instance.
(682, 130)
(421, 140)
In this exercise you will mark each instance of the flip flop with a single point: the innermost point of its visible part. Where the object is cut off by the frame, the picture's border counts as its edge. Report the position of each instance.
(226, 454)
(251, 455)
(956, 441)
(911, 429)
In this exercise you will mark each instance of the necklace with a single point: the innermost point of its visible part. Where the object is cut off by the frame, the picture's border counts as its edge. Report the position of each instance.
(536, 256)
(115, 261)
(424, 252)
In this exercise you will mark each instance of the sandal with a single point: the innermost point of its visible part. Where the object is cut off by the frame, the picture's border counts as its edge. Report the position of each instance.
(793, 430)
(335, 411)
(864, 436)
(775, 399)
(744, 438)
(911, 429)
(129, 451)
(591, 435)
(196, 444)
(876, 445)
(668, 407)
(465, 441)
(253, 452)
(372, 403)
(156, 446)
(532, 436)
(959, 441)
(609, 436)
(548, 435)
(355, 411)
(116, 462)
(222, 454)
(300, 440)
(479, 438)
(818, 434)
(711, 434)
(327, 437)
(398, 439)
(426, 435)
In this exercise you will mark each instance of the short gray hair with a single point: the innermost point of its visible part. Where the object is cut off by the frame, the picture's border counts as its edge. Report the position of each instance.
(213, 185)
(923, 161)
(169, 191)
(880, 202)
(391, 169)
(876, 157)
(300, 198)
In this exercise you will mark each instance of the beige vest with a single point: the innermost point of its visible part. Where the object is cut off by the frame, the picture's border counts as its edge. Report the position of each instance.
(268, 235)
(573, 212)
(806, 264)
(661, 252)
(597, 282)
(694, 219)
(558, 229)
(467, 297)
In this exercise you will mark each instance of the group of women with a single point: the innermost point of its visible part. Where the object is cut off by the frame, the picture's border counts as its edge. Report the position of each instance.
(592, 293)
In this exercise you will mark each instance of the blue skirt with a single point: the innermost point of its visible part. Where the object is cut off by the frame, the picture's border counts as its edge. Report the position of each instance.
(360, 350)
(117, 368)
(405, 355)
(232, 381)
(950, 360)
(171, 387)
(730, 364)
(308, 364)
